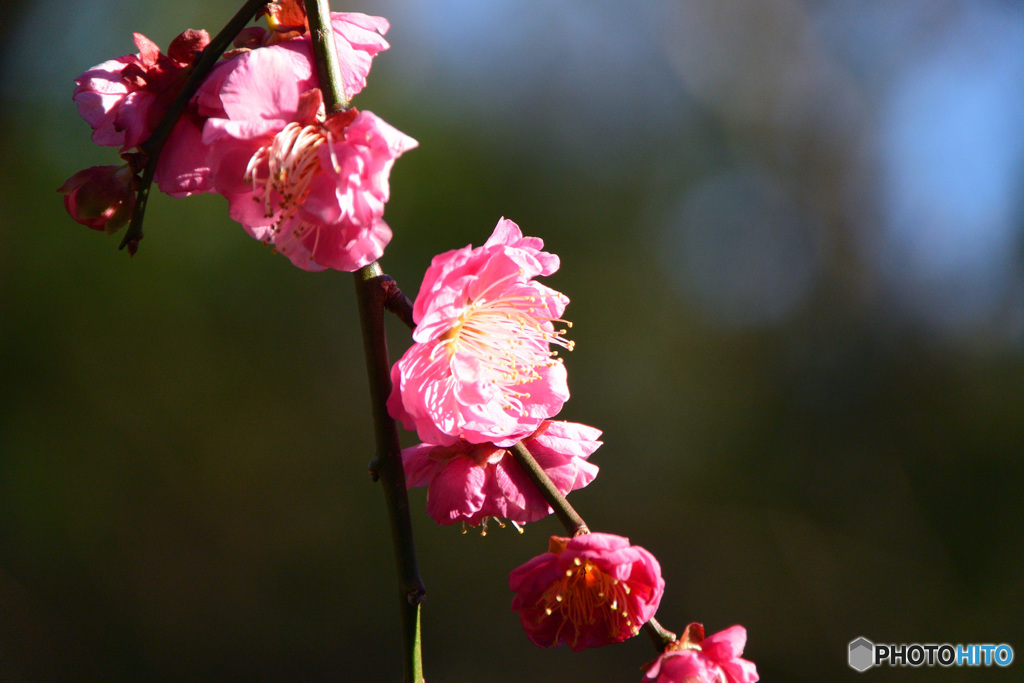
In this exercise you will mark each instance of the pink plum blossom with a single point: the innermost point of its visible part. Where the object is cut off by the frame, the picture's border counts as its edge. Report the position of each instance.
(124, 99)
(587, 591)
(696, 659)
(101, 197)
(481, 368)
(469, 483)
(313, 186)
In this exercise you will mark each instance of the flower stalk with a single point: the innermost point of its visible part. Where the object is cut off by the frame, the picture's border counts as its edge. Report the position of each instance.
(565, 512)
(660, 636)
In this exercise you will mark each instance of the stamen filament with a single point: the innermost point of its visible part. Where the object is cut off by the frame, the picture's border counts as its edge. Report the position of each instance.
(510, 337)
(586, 596)
(292, 163)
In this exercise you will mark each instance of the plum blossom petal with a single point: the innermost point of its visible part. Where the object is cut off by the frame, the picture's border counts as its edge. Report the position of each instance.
(124, 99)
(359, 37)
(470, 483)
(587, 591)
(182, 169)
(481, 368)
(98, 93)
(529, 249)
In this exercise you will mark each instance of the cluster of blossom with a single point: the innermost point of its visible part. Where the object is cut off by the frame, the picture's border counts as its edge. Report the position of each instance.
(480, 379)
(256, 132)
(481, 376)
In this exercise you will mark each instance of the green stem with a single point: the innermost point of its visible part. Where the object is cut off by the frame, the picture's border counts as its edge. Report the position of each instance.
(387, 464)
(371, 293)
(328, 69)
(155, 144)
(660, 636)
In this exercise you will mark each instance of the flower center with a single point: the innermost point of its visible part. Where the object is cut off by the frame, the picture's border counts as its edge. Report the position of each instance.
(291, 163)
(586, 595)
(510, 337)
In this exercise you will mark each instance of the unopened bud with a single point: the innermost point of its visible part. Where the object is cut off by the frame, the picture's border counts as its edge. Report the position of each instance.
(101, 197)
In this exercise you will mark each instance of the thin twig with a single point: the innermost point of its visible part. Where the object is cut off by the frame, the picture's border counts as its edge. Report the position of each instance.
(565, 512)
(660, 636)
(397, 302)
(155, 143)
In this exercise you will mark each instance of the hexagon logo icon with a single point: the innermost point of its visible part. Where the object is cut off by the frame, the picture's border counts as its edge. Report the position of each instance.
(862, 654)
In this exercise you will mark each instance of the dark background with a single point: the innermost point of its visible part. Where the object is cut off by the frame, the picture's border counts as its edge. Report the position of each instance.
(792, 236)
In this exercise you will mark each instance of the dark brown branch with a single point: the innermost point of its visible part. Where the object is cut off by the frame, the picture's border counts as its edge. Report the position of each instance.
(387, 463)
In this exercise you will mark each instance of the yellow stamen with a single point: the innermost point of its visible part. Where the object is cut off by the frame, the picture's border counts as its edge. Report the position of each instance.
(587, 596)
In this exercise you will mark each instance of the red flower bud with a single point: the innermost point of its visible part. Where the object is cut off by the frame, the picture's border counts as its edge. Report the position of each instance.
(101, 197)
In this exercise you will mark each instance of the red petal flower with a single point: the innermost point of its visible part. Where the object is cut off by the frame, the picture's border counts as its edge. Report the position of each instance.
(587, 591)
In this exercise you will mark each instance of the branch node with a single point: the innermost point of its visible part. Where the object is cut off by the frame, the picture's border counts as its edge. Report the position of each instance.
(416, 596)
(397, 302)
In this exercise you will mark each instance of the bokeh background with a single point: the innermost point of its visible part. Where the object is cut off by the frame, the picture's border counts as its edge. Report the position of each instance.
(792, 236)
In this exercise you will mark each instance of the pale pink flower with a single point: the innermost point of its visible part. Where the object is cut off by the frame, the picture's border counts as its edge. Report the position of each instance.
(101, 197)
(481, 368)
(696, 659)
(469, 483)
(312, 186)
(587, 591)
